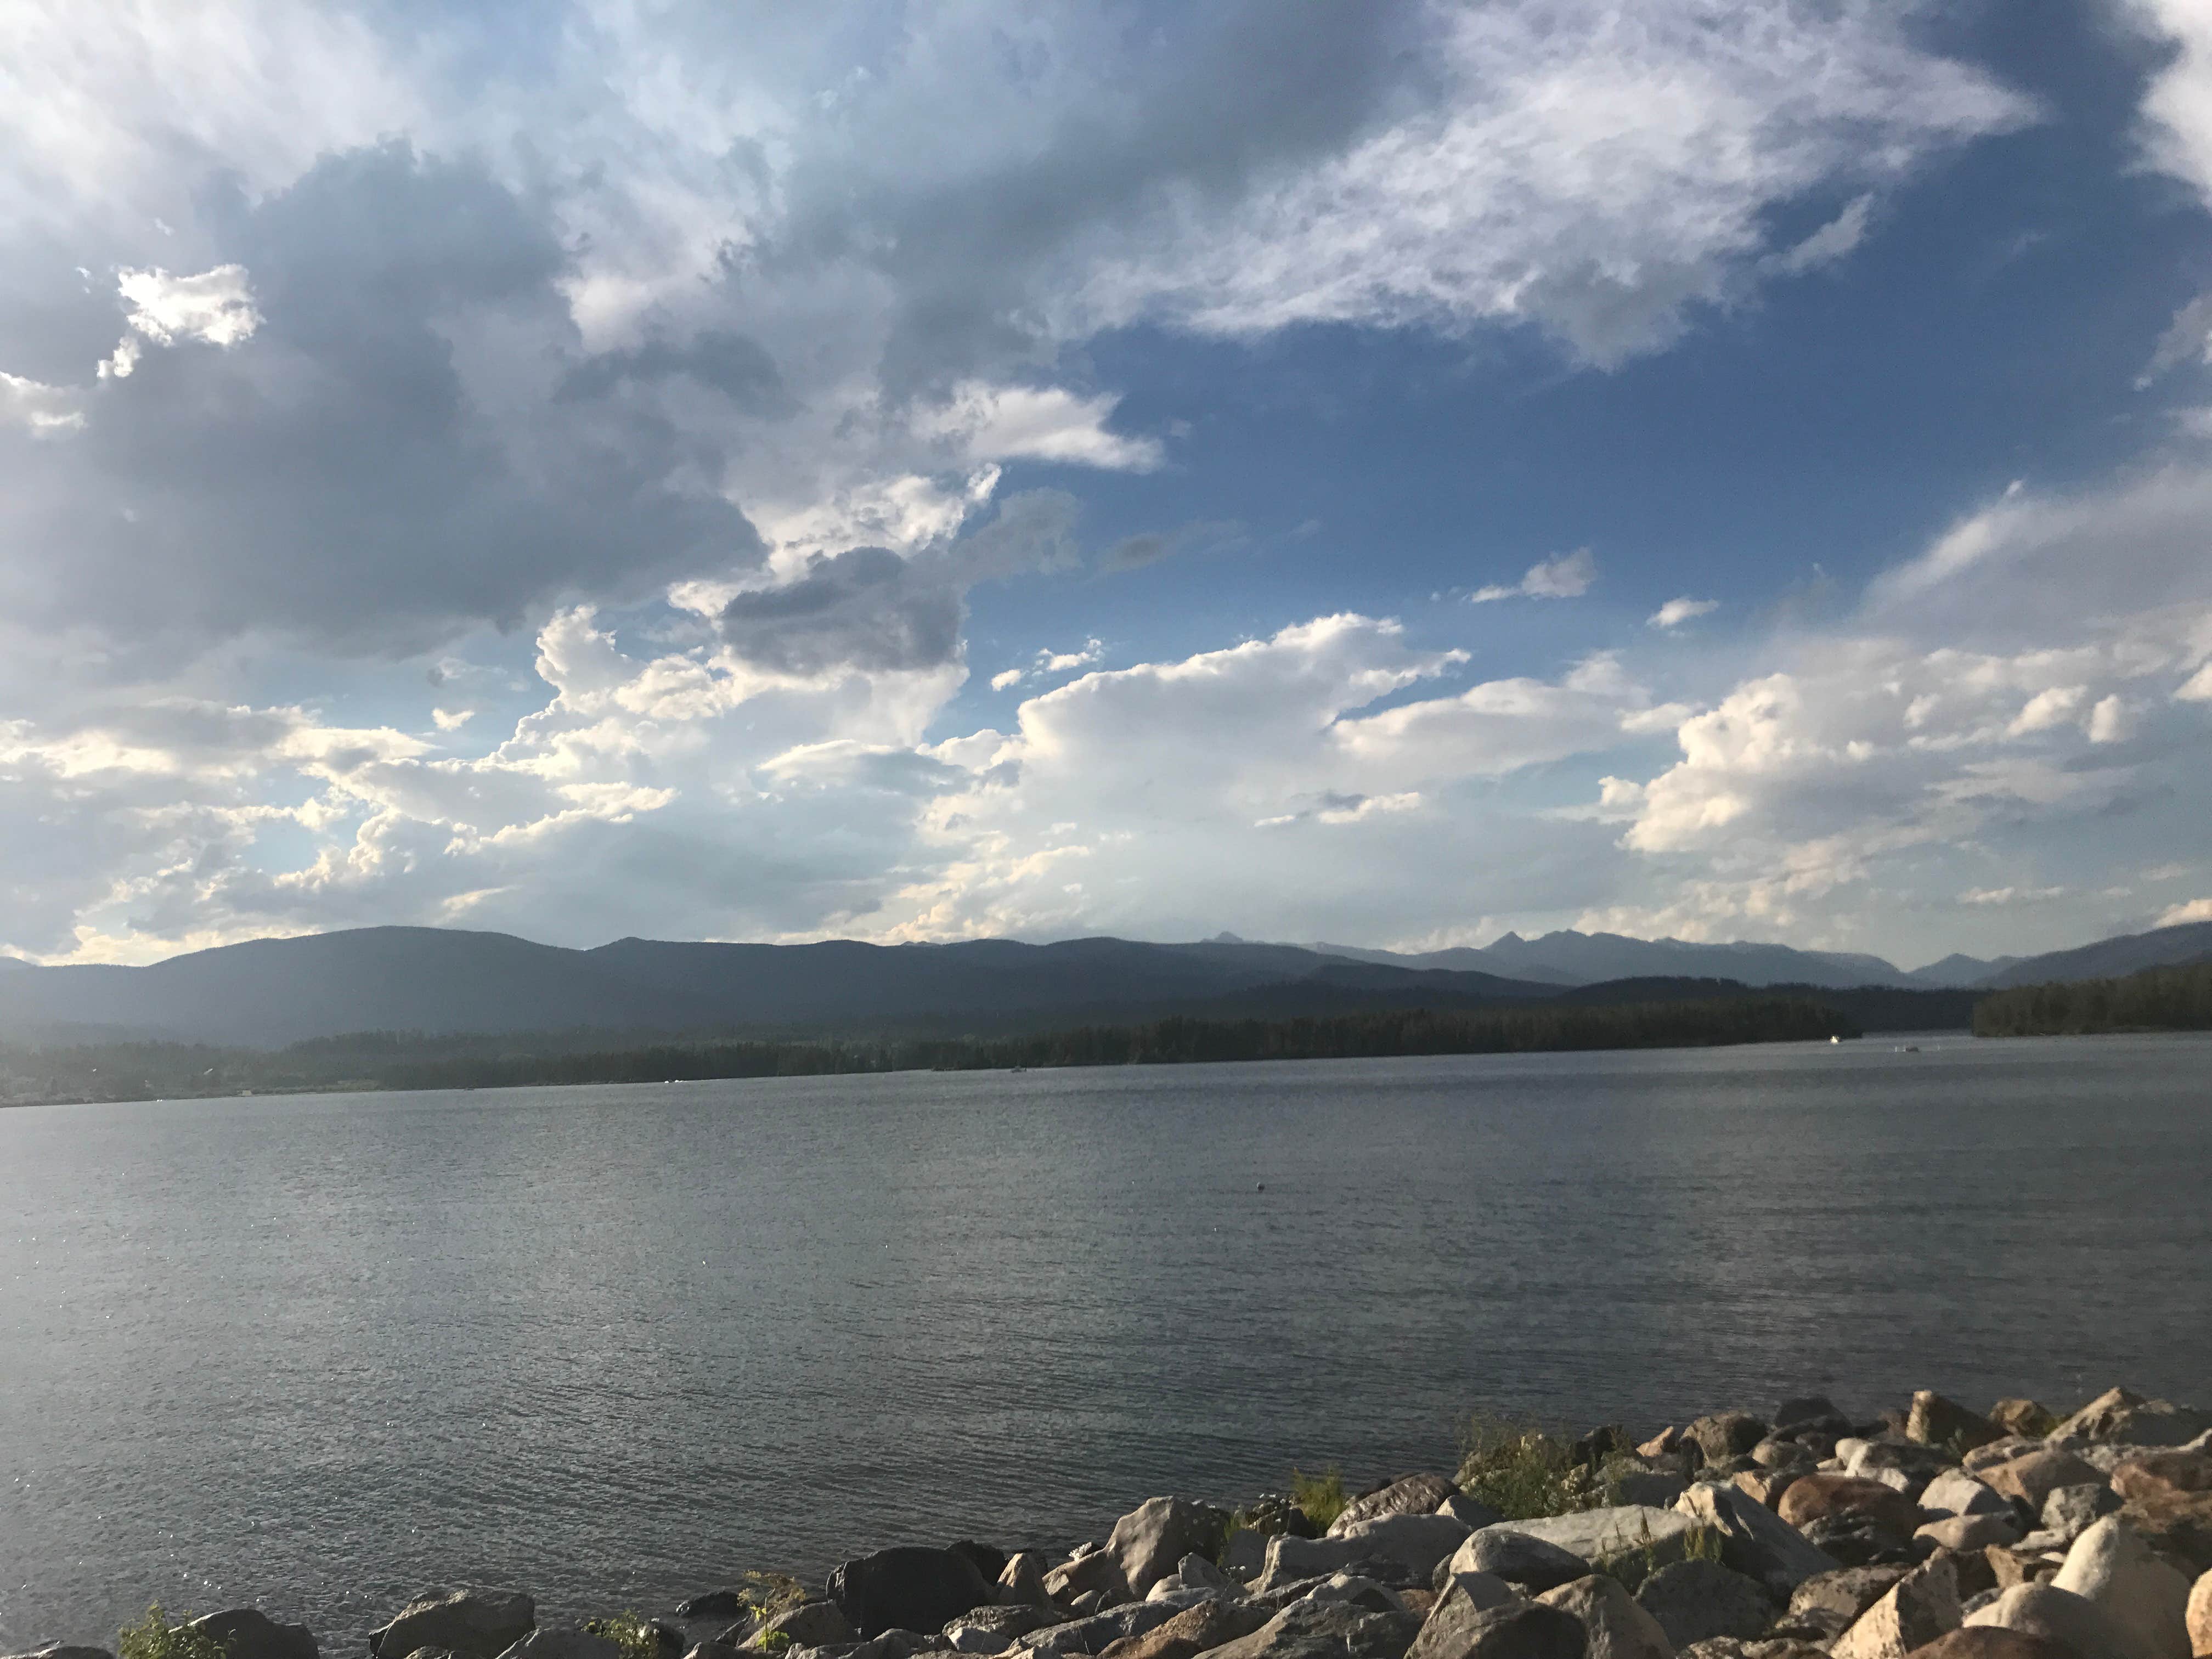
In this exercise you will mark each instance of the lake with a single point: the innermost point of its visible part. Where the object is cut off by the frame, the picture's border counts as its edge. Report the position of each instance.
(614, 1346)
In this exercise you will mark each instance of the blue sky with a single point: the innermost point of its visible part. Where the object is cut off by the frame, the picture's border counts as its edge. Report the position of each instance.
(924, 471)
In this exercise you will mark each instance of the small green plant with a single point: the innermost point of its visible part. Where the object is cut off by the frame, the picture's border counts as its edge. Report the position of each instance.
(1521, 1472)
(629, 1634)
(155, 1638)
(775, 1641)
(771, 1593)
(1319, 1498)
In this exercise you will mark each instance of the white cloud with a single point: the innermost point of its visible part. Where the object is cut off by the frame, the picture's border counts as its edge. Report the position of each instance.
(1566, 577)
(2176, 115)
(450, 720)
(42, 411)
(1836, 239)
(1040, 423)
(1007, 679)
(2004, 896)
(2175, 915)
(1573, 175)
(1676, 612)
(216, 306)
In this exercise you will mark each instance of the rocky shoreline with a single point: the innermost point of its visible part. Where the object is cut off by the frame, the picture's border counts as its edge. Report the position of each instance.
(1933, 1531)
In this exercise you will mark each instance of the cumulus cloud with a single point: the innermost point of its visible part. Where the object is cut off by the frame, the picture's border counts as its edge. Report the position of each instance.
(1566, 577)
(1676, 612)
(2022, 677)
(2175, 915)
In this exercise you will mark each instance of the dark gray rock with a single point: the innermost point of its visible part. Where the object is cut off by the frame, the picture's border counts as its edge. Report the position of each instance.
(1518, 1559)
(1860, 1540)
(1811, 1411)
(249, 1633)
(63, 1650)
(1725, 1435)
(1159, 1532)
(1413, 1494)
(483, 1623)
(1693, 1601)
(1518, 1630)
(1848, 1591)
(910, 1588)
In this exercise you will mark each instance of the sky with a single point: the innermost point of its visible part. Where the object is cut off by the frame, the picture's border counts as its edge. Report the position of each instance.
(1382, 473)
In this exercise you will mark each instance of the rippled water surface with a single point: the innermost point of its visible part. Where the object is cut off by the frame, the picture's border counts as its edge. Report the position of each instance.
(614, 1345)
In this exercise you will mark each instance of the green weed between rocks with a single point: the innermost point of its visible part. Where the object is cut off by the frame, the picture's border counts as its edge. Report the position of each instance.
(1525, 1474)
(1319, 1498)
(1632, 1566)
(629, 1634)
(772, 1592)
(155, 1638)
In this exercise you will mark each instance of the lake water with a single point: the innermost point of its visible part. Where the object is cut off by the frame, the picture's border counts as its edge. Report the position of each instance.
(614, 1346)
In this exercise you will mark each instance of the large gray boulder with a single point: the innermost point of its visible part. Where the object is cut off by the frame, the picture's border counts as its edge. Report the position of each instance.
(1607, 1535)
(1452, 1623)
(1515, 1630)
(1956, 1492)
(1915, 1611)
(1416, 1542)
(1696, 1600)
(470, 1621)
(63, 1650)
(1414, 1494)
(1159, 1532)
(1519, 1558)
(909, 1587)
(2056, 1616)
(1615, 1625)
(249, 1633)
(1755, 1540)
(2145, 1598)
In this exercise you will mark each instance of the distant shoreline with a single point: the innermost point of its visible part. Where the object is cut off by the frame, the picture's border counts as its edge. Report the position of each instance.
(383, 1062)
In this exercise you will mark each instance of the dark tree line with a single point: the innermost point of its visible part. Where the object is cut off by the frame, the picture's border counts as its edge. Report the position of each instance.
(2156, 999)
(399, 1060)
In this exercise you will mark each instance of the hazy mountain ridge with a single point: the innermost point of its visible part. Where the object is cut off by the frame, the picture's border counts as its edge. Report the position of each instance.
(273, 991)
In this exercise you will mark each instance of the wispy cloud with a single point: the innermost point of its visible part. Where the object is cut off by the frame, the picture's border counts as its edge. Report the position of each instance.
(1567, 577)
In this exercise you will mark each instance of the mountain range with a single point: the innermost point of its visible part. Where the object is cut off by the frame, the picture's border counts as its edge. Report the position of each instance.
(273, 991)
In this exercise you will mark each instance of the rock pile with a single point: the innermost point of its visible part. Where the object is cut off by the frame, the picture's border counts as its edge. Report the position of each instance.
(1934, 1532)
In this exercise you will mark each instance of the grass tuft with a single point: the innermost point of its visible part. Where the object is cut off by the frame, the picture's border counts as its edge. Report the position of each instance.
(1319, 1498)
(155, 1638)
